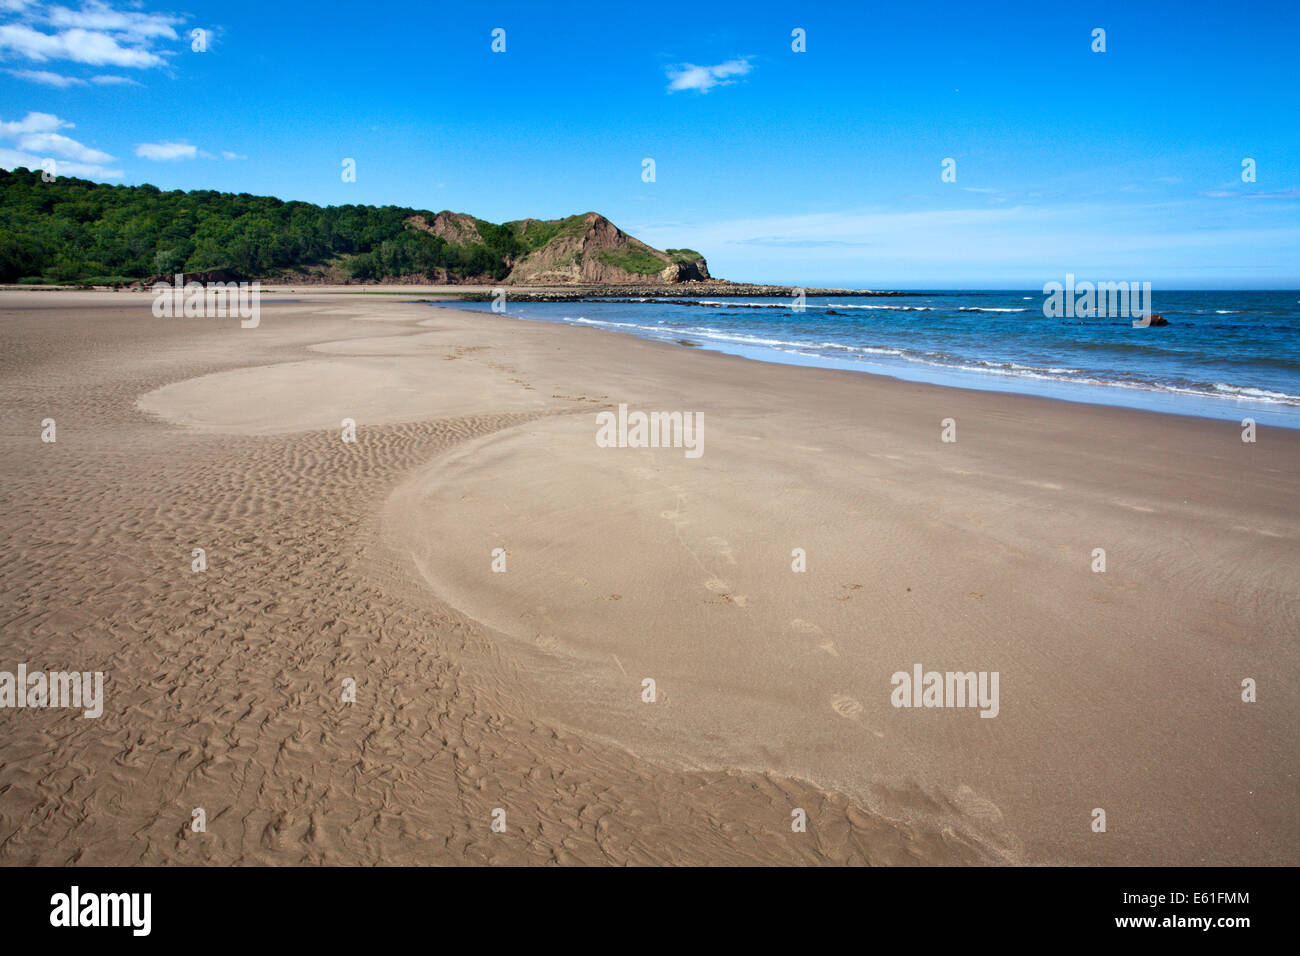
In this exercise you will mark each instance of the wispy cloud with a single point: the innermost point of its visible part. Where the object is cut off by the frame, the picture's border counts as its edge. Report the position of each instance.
(170, 152)
(688, 76)
(167, 152)
(46, 78)
(56, 144)
(59, 81)
(80, 46)
(794, 242)
(38, 139)
(1016, 242)
(1250, 194)
(37, 132)
(97, 34)
(33, 123)
(12, 159)
(132, 25)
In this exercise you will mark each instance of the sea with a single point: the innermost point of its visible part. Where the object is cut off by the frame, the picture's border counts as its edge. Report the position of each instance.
(1223, 355)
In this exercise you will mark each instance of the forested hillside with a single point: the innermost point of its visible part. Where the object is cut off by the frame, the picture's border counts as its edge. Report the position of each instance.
(75, 230)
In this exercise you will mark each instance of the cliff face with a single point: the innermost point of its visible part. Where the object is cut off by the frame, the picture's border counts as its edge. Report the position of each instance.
(457, 228)
(694, 269)
(586, 249)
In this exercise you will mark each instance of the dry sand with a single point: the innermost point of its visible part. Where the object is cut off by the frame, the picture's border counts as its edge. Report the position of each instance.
(522, 690)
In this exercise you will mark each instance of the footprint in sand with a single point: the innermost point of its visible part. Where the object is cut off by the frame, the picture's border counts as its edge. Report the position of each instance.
(972, 804)
(815, 633)
(851, 709)
(846, 707)
(723, 548)
(719, 587)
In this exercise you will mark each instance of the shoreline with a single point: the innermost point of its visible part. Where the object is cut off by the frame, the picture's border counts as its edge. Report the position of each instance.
(1212, 408)
(633, 562)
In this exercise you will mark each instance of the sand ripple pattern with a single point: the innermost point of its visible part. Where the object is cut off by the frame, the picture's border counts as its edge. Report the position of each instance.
(223, 687)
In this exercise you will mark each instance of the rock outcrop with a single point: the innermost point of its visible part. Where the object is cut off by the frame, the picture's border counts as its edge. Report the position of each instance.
(458, 228)
(586, 249)
(589, 249)
(696, 270)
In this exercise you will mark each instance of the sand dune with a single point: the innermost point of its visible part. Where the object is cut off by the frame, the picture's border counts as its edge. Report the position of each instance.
(479, 690)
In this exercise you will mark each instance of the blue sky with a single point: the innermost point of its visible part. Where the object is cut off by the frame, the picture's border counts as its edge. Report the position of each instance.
(809, 168)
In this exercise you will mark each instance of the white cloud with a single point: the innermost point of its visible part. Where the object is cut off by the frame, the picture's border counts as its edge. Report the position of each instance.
(58, 145)
(34, 123)
(95, 15)
(227, 154)
(47, 78)
(1247, 194)
(12, 159)
(688, 76)
(97, 34)
(36, 135)
(80, 46)
(165, 152)
(58, 80)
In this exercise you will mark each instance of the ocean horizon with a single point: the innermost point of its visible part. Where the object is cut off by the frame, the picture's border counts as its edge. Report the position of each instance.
(1225, 355)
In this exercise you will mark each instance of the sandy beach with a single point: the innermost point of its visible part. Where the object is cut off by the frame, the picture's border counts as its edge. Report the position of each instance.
(499, 587)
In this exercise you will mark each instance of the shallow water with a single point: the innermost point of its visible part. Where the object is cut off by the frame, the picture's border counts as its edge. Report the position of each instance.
(1226, 355)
